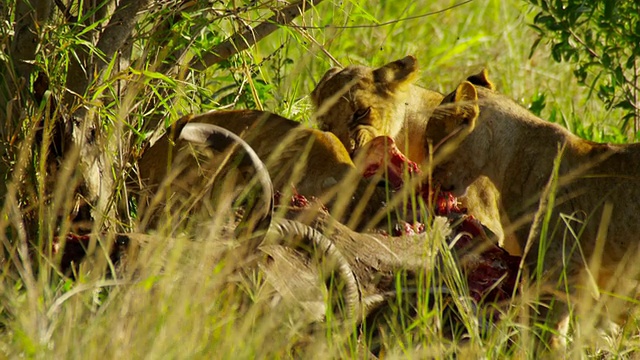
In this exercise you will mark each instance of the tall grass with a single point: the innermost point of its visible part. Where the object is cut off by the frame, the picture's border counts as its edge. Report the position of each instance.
(185, 293)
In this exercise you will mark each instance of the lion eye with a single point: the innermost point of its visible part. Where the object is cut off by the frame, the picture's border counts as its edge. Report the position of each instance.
(360, 114)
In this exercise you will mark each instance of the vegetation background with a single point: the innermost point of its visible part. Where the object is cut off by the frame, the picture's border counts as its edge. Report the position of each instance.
(108, 75)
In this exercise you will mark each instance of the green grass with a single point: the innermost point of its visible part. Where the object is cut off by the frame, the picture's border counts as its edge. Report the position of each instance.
(187, 294)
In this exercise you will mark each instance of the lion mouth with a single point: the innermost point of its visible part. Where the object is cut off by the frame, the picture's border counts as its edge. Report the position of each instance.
(381, 153)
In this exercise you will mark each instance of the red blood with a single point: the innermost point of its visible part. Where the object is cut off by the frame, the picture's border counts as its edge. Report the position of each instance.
(384, 148)
(297, 200)
(277, 197)
(404, 228)
(493, 277)
(490, 271)
(472, 226)
(446, 204)
(491, 274)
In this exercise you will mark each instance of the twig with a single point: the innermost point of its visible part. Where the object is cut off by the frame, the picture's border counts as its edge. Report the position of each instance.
(242, 41)
(65, 10)
(305, 33)
(366, 26)
(636, 100)
(390, 22)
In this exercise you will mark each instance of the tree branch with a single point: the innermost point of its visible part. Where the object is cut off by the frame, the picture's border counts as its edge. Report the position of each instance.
(115, 34)
(94, 150)
(118, 30)
(79, 75)
(242, 41)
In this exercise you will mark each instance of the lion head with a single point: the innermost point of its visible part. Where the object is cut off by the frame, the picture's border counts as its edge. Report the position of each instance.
(358, 103)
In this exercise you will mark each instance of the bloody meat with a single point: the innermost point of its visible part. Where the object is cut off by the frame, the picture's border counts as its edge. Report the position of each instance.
(491, 272)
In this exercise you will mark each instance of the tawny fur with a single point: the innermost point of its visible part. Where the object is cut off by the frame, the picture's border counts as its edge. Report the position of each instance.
(313, 162)
(358, 103)
(385, 97)
(323, 159)
(487, 134)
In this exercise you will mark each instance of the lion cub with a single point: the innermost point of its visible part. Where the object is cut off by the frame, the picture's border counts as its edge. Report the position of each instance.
(358, 103)
(479, 132)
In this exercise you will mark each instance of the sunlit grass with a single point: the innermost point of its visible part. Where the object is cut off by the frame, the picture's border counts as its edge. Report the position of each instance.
(186, 294)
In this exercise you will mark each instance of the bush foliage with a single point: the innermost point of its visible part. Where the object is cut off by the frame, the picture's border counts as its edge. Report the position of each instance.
(602, 39)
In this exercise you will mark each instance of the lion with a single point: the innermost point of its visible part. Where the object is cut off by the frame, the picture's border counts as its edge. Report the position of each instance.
(588, 188)
(264, 132)
(359, 103)
(299, 159)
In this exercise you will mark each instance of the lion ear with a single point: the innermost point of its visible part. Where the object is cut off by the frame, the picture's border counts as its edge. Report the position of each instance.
(457, 113)
(466, 100)
(397, 73)
(482, 79)
(466, 91)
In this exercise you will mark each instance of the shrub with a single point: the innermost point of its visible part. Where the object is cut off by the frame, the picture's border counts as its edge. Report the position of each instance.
(602, 37)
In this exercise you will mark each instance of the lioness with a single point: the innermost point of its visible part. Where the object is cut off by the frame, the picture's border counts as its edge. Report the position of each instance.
(478, 132)
(314, 162)
(327, 161)
(358, 103)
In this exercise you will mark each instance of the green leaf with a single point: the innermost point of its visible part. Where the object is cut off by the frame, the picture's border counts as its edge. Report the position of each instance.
(538, 103)
(536, 42)
(154, 75)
